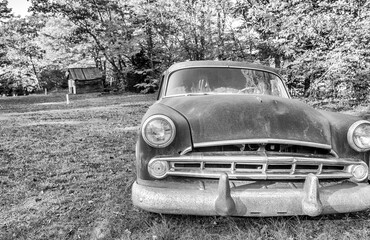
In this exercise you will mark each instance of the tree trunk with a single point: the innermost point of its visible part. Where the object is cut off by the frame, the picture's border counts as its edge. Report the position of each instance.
(277, 61)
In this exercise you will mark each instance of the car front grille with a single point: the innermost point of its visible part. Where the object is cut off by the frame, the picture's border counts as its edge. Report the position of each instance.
(258, 165)
(259, 159)
(291, 168)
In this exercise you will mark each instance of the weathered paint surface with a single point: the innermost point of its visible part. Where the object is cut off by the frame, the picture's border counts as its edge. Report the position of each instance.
(239, 116)
(182, 140)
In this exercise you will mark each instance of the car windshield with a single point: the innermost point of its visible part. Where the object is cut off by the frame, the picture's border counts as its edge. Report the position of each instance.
(224, 80)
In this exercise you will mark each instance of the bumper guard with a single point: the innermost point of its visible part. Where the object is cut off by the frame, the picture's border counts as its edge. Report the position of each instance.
(310, 200)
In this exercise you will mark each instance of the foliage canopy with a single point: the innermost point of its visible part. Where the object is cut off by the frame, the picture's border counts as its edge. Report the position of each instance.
(321, 47)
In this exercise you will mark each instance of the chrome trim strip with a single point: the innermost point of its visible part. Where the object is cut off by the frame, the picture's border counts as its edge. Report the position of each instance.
(186, 150)
(332, 152)
(262, 141)
(251, 159)
(258, 176)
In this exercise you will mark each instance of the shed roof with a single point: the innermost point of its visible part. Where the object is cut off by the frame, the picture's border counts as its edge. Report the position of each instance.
(90, 73)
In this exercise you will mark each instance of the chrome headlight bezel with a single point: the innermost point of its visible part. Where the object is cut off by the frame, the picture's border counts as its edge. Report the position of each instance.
(351, 135)
(158, 168)
(359, 172)
(169, 125)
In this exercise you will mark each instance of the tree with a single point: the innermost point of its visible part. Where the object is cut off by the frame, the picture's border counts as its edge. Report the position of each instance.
(318, 43)
(23, 49)
(192, 30)
(5, 14)
(110, 25)
(11, 70)
(5, 11)
(314, 43)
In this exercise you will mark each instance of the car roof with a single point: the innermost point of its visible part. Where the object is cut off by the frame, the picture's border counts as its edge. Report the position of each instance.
(208, 63)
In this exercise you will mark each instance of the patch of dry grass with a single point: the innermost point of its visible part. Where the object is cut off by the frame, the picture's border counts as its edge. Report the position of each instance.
(66, 173)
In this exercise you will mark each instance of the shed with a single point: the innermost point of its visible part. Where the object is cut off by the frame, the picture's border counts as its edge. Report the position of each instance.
(84, 80)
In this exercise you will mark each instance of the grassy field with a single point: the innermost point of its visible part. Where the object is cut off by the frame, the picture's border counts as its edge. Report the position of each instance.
(66, 173)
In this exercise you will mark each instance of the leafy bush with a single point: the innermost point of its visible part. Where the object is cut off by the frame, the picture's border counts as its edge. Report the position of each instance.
(150, 85)
(136, 77)
(53, 78)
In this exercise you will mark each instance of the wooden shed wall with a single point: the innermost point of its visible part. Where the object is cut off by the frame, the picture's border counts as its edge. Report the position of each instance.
(84, 86)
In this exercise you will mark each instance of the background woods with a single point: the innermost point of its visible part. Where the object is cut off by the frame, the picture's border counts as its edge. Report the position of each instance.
(321, 47)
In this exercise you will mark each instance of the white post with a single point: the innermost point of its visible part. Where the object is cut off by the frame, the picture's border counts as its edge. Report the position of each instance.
(67, 97)
(46, 91)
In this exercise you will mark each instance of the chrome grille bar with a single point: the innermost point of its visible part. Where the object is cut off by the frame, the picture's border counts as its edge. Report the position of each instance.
(268, 145)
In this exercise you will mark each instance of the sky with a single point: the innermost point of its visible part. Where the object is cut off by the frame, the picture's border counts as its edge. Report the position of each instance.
(19, 7)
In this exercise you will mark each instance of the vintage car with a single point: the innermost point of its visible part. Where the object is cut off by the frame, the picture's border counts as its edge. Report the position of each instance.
(225, 138)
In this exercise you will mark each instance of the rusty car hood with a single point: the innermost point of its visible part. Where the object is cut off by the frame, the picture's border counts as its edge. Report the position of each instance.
(239, 116)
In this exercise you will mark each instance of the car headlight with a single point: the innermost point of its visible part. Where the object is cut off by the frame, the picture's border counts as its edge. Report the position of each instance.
(358, 136)
(158, 131)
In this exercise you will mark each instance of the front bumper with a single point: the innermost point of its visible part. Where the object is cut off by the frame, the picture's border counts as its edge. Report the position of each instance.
(310, 199)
